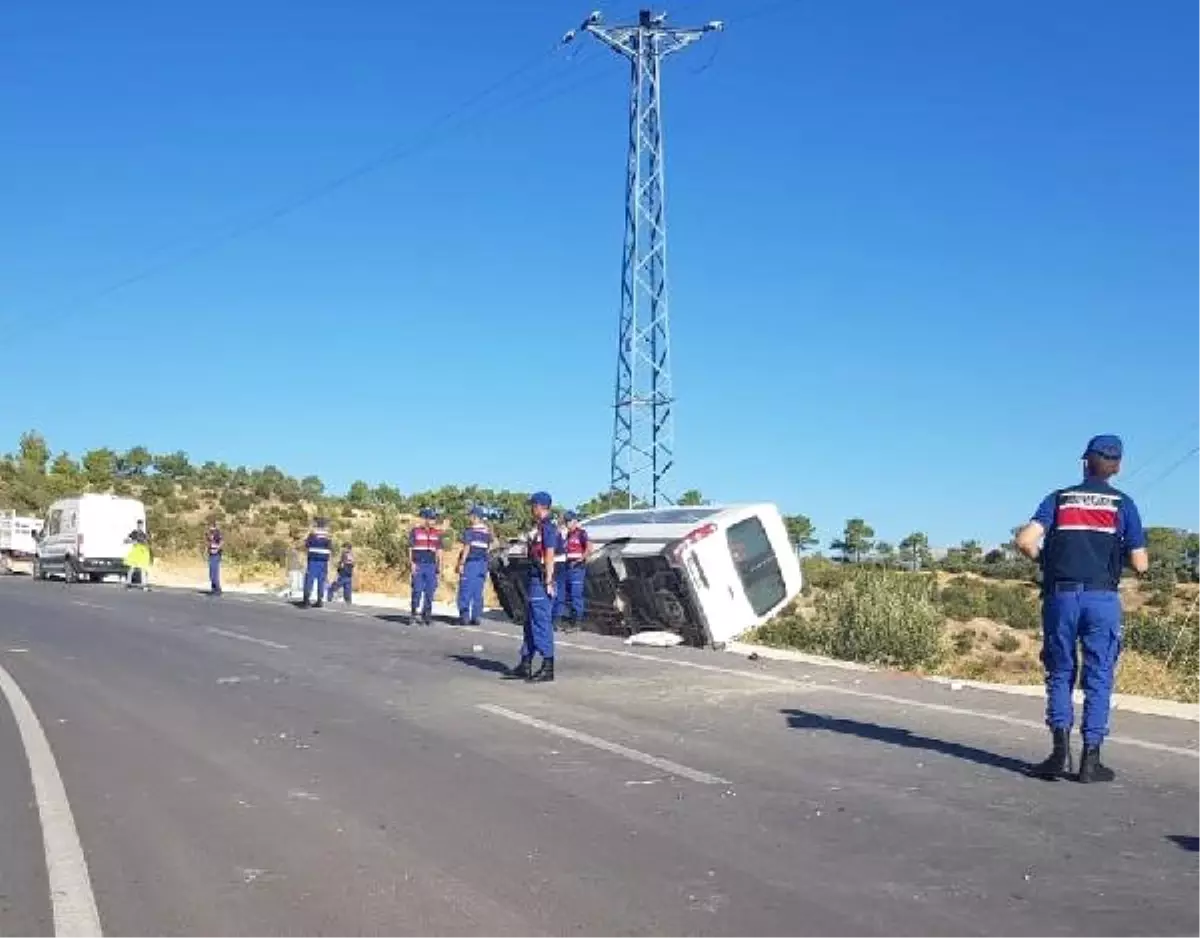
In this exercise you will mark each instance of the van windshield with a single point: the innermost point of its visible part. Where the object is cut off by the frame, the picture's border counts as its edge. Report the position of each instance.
(757, 565)
(653, 516)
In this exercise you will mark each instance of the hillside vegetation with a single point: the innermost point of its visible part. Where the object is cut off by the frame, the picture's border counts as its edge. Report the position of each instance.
(263, 513)
(973, 613)
(970, 626)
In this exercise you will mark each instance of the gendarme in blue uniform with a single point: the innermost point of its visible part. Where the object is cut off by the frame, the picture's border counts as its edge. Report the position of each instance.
(345, 576)
(318, 546)
(1090, 529)
(539, 622)
(476, 541)
(425, 545)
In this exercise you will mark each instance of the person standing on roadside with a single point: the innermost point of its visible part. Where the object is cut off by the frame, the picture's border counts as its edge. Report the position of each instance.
(1089, 530)
(575, 549)
(472, 567)
(539, 595)
(425, 554)
(319, 548)
(215, 546)
(560, 572)
(138, 559)
(345, 576)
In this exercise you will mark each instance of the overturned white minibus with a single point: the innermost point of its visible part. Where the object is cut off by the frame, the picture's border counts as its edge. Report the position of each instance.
(707, 573)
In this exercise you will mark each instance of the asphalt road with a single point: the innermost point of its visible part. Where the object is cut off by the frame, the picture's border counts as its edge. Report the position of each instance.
(239, 766)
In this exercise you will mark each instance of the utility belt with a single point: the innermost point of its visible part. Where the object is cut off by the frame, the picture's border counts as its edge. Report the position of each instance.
(1081, 586)
(424, 558)
(576, 561)
(318, 558)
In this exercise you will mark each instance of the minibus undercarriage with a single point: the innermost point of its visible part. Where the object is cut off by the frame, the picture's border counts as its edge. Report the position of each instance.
(624, 594)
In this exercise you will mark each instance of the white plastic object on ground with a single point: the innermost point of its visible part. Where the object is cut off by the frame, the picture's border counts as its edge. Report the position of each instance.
(655, 639)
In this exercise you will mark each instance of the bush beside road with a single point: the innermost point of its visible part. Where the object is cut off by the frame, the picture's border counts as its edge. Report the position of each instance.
(967, 627)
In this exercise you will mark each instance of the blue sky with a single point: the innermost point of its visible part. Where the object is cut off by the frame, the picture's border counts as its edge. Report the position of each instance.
(920, 251)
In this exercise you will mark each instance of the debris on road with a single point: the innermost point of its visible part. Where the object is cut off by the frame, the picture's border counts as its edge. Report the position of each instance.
(655, 639)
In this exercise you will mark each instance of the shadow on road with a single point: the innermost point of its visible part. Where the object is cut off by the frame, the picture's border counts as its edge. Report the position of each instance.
(896, 736)
(403, 618)
(483, 664)
(1184, 842)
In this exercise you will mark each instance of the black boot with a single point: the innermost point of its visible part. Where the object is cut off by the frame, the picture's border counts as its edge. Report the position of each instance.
(545, 673)
(1058, 763)
(1091, 769)
(520, 672)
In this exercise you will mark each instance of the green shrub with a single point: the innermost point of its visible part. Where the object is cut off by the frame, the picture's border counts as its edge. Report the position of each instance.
(1014, 606)
(963, 598)
(823, 573)
(964, 642)
(1175, 637)
(881, 617)
(790, 630)
(385, 538)
(1006, 642)
(275, 551)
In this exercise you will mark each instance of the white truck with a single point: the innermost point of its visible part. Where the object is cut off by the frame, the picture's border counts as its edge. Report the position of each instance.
(18, 538)
(85, 536)
(706, 573)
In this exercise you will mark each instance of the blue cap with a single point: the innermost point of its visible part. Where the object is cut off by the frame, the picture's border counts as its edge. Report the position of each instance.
(570, 516)
(428, 514)
(540, 498)
(1107, 445)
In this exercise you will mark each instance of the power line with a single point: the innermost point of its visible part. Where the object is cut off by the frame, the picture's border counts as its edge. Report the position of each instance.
(227, 232)
(1160, 452)
(1171, 468)
(449, 121)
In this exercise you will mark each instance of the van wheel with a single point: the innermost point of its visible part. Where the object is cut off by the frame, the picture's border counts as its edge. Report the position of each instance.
(670, 609)
(96, 577)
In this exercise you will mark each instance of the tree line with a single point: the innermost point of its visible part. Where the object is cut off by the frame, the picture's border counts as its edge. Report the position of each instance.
(266, 499)
(33, 477)
(1174, 553)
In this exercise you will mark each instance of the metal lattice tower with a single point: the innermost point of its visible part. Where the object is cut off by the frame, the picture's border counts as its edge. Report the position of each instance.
(643, 447)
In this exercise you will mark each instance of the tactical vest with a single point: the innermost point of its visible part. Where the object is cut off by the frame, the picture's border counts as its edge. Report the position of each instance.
(478, 539)
(538, 546)
(319, 545)
(1083, 544)
(576, 545)
(425, 542)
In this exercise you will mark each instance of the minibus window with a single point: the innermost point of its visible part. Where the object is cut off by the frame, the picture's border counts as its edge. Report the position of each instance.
(757, 565)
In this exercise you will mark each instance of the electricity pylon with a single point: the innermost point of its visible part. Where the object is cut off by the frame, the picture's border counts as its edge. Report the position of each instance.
(643, 446)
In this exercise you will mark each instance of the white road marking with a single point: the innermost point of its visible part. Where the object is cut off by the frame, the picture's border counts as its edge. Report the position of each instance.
(80, 602)
(851, 692)
(663, 765)
(247, 638)
(71, 897)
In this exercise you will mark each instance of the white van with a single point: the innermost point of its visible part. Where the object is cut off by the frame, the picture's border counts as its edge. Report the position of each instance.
(708, 573)
(85, 536)
(18, 538)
